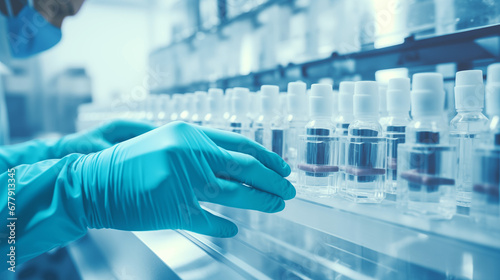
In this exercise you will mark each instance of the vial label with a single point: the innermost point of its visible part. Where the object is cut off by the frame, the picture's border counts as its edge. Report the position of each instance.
(395, 136)
(317, 164)
(318, 152)
(259, 136)
(362, 157)
(278, 141)
(365, 168)
(426, 178)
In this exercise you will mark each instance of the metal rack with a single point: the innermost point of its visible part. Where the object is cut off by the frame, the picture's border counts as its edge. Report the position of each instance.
(475, 47)
(224, 20)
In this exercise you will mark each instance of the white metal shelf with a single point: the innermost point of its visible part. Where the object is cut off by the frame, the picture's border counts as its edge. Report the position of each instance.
(317, 239)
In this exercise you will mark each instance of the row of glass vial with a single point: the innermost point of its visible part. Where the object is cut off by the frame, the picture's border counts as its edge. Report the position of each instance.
(364, 155)
(348, 142)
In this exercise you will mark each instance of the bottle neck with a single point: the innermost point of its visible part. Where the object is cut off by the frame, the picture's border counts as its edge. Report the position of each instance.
(346, 114)
(319, 117)
(369, 117)
(469, 110)
(428, 118)
(399, 115)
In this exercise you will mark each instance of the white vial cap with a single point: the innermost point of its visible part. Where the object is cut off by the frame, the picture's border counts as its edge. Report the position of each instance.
(346, 92)
(165, 97)
(178, 103)
(320, 100)
(469, 90)
(297, 98)
(335, 103)
(493, 90)
(282, 103)
(166, 103)
(255, 103)
(398, 96)
(161, 102)
(229, 92)
(215, 101)
(201, 102)
(190, 101)
(365, 99)
(228, 96)
(493, 73)
(239, 101)
(269, 98)
(427, 95)
(382, 99)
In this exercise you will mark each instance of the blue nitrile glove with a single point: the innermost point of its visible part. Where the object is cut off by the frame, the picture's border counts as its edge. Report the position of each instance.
(99, 138)
(153, 181)
(83, 142)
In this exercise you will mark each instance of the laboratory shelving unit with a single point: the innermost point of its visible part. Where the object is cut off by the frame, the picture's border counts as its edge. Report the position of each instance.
(310, 239)
(317, 238)
(476, 47)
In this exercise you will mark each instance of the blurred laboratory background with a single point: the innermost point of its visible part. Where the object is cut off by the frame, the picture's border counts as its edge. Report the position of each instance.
(118, 52)
(145, 59)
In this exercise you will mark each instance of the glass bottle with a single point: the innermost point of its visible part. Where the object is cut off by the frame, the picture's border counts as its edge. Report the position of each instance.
(485, 206)
(466, 128)
(296, 122)
(318, 155)
(215, 116)
(239, 122)
(426, 162)
(270, 126)
(394, 127)
(201, 107)
(365, 147)
(342, 122)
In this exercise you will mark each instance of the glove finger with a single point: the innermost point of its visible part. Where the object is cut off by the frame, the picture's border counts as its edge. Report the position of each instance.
(239, 143)
(233, 194)
(121, 130)
(209, 224)
(248, 170)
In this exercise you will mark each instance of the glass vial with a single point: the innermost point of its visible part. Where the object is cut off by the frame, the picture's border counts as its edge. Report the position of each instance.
(228, 97)
(426, 162)
(177, 107)
(189, 107)
(466, 128)
(270, 127)
(382, 104)
(215, 116)
(394, 127)
(342, 121)
(296, 122)
(485, 206)
(201, 107)
(161, 110)
(365, 147)
(318, 157)
(239, 122)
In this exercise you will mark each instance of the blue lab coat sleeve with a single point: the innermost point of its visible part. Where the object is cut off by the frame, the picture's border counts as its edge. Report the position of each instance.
(90, 141)
(26, 153)
(47, 207)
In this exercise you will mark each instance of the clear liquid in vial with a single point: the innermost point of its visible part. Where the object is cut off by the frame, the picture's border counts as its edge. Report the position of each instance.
(426, 177)
(365, 168)
(317, 166)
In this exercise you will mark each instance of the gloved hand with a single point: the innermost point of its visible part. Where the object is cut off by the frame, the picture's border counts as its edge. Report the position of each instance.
(156, 180)
(99, 138)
